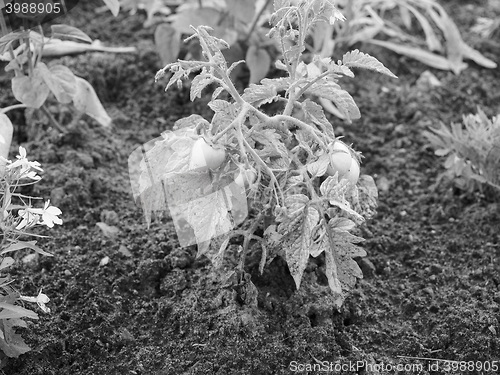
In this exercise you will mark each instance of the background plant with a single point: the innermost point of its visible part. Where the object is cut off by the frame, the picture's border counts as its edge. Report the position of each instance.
(472, 150)
(17, 218)
(33, 80)
(392, 25)
(297, 210)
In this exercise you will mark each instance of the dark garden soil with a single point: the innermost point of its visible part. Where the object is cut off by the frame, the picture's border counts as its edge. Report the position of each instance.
(431, 284)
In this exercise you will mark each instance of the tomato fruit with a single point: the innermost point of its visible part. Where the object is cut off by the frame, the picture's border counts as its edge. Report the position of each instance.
(204, 156)
(340, 159)
(352, 174)
(245, 178)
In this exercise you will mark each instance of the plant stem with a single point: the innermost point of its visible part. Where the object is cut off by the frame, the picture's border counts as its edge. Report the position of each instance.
(257, 18)
(52, 120)
(12, 107)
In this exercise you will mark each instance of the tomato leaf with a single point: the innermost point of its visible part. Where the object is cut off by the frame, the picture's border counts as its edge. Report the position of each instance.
(357, 59)
(341, 98)
(296, 228)
(266, 92)
(199, 82)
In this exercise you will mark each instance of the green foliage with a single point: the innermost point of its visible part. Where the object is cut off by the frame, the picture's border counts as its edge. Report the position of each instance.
(393, 25)
(17, 217)
(296, 209)
(472, 150)
(34, 81)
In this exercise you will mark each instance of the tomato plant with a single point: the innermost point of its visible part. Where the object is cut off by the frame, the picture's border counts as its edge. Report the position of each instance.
(296, 209)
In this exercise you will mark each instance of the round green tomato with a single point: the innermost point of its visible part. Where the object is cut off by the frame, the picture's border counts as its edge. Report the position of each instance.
(245, 178)
(352, 174)
(204, 156)
(340, 159)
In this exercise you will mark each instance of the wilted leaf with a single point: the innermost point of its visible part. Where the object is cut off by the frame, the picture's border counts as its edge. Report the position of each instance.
(357, 59)
(341, 98)
(87, 101)
(296, 230)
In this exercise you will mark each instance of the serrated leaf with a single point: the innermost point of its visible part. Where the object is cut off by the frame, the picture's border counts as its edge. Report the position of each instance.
(168, 43)
(357, 59)
(199, 82)
(225, 113)
(341, 98)
(69, 32)
(318, 168)
(191, 122)
(364, 197)
(335, 191)
(87, 101)
(314, 113)
(270, 144)
(31, 90)
(258, 62)
(266, 92)
(296, 230)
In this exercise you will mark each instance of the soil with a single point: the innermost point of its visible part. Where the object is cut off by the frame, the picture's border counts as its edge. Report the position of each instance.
(431, 286)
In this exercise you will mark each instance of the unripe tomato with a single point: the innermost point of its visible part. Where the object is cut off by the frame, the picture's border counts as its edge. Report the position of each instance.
(340, 159)
(352, 174)
(245, 178)
(203, 156)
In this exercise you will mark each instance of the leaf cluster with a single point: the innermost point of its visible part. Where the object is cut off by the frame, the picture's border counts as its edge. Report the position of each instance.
(14, 227)
(472, 149)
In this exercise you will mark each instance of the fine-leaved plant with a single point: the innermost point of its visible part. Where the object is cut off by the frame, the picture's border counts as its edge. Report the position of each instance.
(17, 218)
(472, 150)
